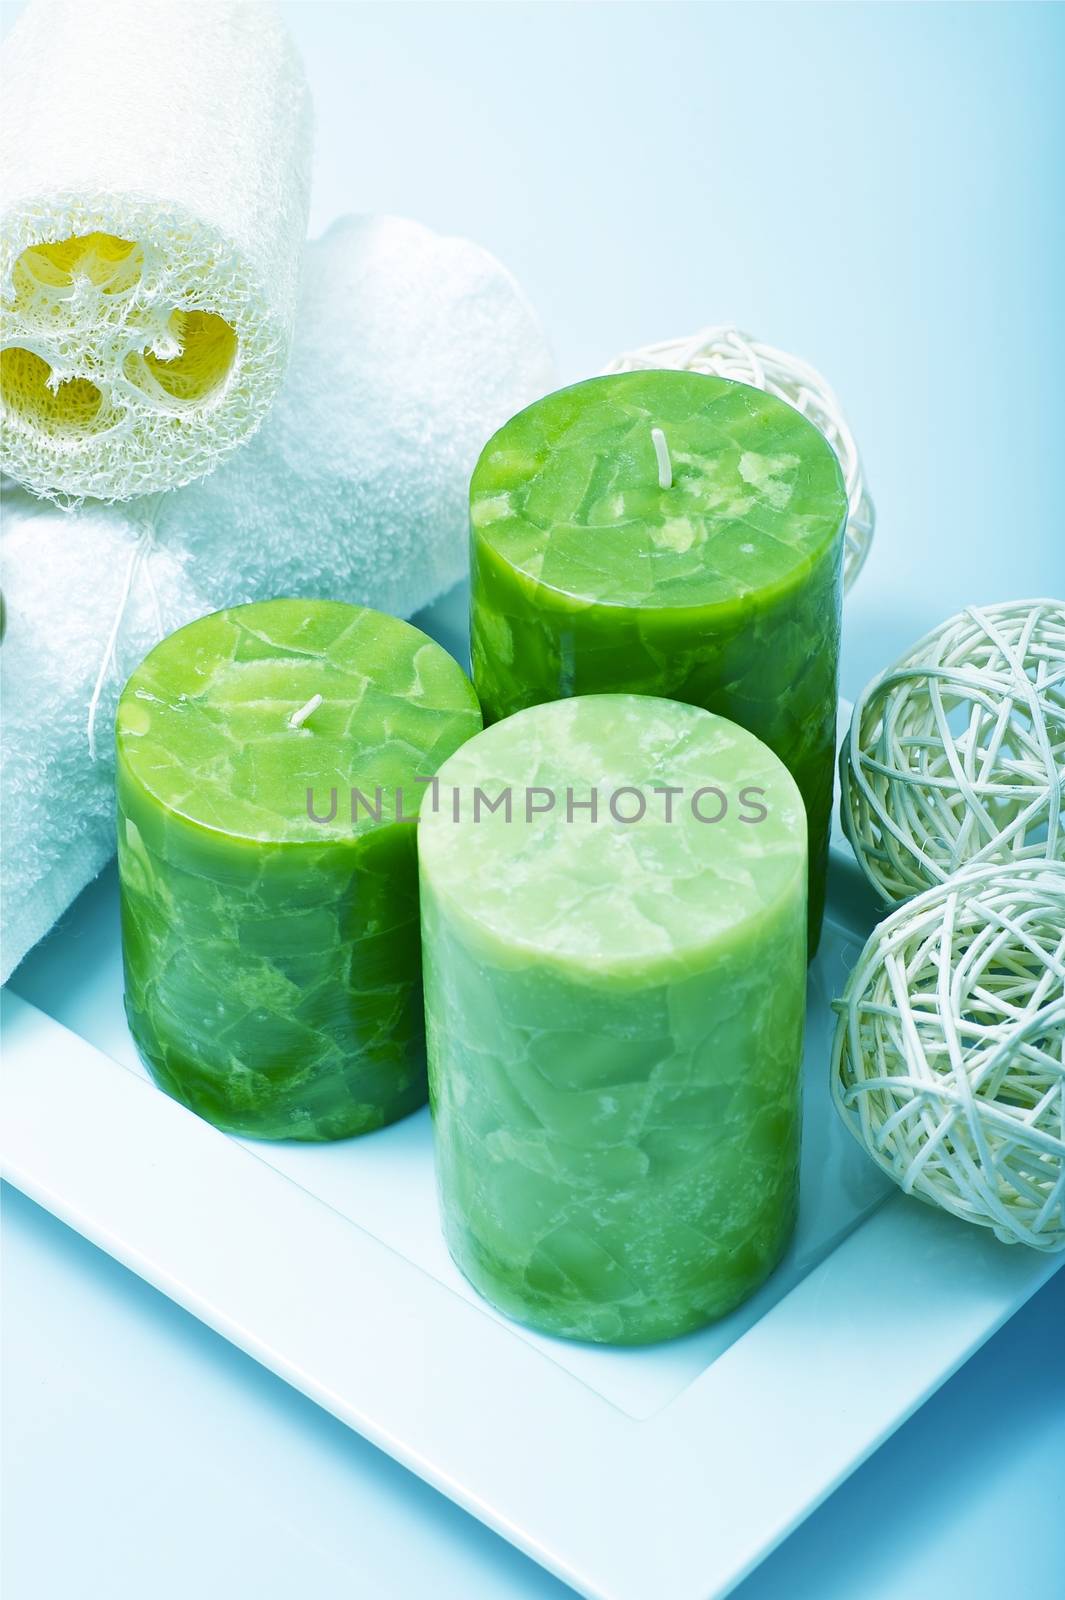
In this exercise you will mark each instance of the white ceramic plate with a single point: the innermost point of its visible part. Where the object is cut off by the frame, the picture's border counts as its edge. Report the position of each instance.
(655, 1474)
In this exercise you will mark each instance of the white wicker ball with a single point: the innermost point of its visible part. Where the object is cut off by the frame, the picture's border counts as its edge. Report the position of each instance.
(726, 352)
(956, 754)
(949, 1058)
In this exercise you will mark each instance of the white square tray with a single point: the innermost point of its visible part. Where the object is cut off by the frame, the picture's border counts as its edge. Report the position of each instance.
(655, 1474)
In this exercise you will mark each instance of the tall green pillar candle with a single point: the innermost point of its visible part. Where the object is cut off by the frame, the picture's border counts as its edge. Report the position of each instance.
(667, 533)
(267, 766)
(614, 1012)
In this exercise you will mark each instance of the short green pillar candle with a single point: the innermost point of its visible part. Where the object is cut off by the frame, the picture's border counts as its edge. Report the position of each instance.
(615, 1012)
(268, 759)
(667, 533)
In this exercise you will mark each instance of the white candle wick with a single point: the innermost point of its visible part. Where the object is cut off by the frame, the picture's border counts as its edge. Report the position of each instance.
(665, 465)
(298, 718)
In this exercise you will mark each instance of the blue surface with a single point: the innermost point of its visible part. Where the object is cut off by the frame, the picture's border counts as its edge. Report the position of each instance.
(878, 189)
(144, 1456)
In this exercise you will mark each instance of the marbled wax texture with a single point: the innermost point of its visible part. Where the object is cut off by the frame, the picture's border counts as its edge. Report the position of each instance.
(614, 1012)
(270, 918)
(722, 588)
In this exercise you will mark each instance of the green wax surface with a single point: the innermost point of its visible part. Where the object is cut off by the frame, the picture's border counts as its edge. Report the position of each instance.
(614, 1014)
(722, 590)
(272, 961)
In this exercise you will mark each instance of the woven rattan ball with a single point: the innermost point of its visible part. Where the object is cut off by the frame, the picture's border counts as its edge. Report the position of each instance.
(949, 1058)
(726, 352)
(956, 754)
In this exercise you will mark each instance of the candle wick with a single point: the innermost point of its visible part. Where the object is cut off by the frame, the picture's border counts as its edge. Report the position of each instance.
(665, 465)
(298, 718)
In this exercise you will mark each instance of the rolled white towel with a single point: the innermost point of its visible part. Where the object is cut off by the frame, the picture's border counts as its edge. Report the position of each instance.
(411, 350)
(155, 172)
(64, 579)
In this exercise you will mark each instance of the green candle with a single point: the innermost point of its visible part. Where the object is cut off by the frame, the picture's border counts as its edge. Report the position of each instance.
(614, 1012)
(267, 766)
(667, 533)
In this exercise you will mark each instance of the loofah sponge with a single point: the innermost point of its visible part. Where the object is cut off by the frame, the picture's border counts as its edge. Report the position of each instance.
(411, 350)
(156, 162)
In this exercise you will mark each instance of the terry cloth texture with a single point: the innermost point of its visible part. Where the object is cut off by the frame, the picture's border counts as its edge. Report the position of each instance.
(411, 350)
(63, 576)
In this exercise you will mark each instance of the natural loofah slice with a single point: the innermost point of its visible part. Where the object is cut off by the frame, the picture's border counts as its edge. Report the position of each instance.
(155, 160)
(410, 351)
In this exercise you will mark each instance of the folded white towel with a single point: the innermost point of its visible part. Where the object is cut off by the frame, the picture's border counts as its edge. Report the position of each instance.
(411, 350)
(64, 578)
(155, 166)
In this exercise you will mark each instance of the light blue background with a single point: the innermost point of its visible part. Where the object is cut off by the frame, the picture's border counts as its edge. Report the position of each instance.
(879, 189)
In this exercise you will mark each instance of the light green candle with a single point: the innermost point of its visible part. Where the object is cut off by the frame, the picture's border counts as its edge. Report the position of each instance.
(268, 759)
(667, 533)
(614, 1012)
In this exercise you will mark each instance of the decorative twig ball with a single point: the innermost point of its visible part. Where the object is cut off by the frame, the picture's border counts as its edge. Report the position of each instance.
(949, 1058)
(727, 352)
(956, 754)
